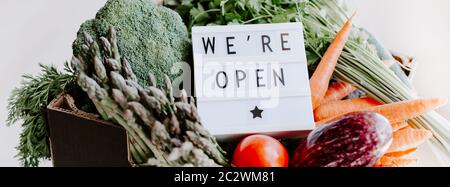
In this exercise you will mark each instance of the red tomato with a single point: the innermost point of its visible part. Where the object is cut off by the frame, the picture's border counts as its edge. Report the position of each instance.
(260, 151)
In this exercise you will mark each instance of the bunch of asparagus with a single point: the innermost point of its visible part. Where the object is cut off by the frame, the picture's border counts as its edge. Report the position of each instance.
(162, 131)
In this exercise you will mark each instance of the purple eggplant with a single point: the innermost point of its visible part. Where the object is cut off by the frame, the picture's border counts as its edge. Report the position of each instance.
(354, 140)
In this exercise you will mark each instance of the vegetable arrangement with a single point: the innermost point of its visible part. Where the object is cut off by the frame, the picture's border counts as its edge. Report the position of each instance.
(396, 113)
(361, 64)
(116, 73)
(367, 72)
(338, 140)
(168, 42)
(163, 132)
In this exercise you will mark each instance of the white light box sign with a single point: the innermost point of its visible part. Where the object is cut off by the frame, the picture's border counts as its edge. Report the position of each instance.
(252, 79)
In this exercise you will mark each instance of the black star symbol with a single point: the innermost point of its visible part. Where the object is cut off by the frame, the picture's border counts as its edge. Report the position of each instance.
(256, 112)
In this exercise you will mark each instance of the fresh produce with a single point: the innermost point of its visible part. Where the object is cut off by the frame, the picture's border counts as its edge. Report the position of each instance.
(355, 140)
(337, 91)
(157, 39)
(322, 75)
(359, 64)
(407, 139)
(260, 151)
(153, 38)
(405, 142)
(400, 153)
(163, 132)
(399, 125)
(341, 107)
(394, 162)
(28, 104)
(399, 111)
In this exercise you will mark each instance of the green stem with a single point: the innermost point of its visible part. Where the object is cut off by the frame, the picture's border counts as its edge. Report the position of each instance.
(137, 157)
(138, 149)
(256, 18)
(204, 12)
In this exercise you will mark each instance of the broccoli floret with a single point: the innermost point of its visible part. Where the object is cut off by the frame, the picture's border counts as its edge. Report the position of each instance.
(153, 38)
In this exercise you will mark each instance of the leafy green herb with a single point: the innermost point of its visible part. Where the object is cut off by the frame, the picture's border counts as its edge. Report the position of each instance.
(28, 104)
(223, 12)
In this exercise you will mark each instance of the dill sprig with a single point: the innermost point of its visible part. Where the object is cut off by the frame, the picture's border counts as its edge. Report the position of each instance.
(28, 103)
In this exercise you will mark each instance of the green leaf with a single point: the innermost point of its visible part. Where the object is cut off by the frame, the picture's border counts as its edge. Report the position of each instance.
(186, 2)
(199, 15)
(194, 12)
(223, 7)
(280, 18)
(241, 5)
(232, 17)
(312, 58)
(216, 3)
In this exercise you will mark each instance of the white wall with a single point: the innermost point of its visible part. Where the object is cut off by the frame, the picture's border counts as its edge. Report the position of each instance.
(33, 31)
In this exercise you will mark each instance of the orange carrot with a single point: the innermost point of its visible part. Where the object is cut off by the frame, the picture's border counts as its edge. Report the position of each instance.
(322, 75)
(401, 153)
(408, 138)
(394, 162)
(399, 111)
(338, 108)
(337, 91)
(399, 125)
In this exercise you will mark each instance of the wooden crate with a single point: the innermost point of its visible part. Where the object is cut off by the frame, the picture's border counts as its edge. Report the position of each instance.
(80, 139)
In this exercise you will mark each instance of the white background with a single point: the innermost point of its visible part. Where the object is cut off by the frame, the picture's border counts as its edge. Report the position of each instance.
(33, 31)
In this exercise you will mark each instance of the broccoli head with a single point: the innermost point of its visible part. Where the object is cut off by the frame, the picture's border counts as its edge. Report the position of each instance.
(153, 38)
